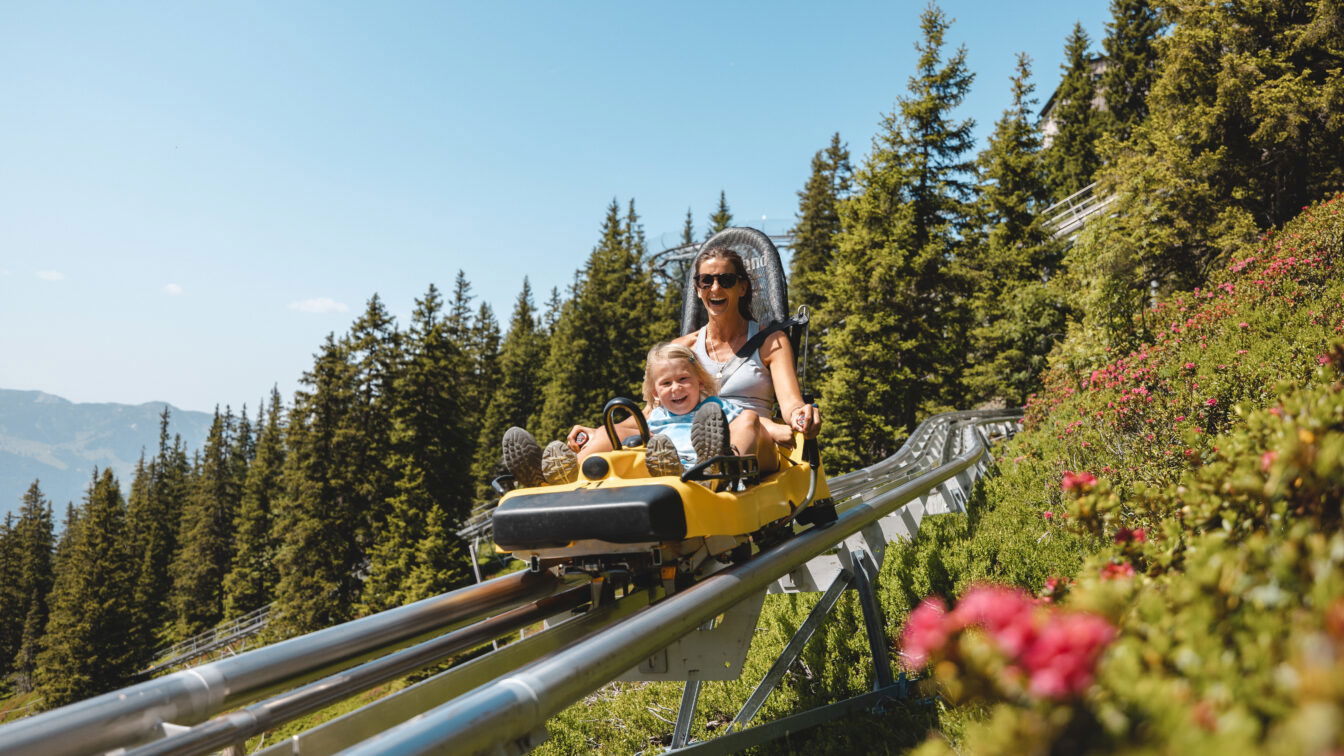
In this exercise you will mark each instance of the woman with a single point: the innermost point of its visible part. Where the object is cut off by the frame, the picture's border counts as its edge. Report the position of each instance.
(766, 376)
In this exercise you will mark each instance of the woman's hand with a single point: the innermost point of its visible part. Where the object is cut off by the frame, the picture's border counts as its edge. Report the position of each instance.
(806, 419)
(579, 436)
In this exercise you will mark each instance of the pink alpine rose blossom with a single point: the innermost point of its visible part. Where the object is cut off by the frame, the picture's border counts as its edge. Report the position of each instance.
(1080, 482)
(1116, 570)
(925, 632)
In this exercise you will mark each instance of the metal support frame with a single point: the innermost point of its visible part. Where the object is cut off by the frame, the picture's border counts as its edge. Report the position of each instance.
(862, 576)
(865, 579)
(792, 651)
(689, 696)
(737, 741)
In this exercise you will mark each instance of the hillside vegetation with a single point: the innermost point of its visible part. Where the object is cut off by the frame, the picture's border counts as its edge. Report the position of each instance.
(1169, 525)
(1156, 565)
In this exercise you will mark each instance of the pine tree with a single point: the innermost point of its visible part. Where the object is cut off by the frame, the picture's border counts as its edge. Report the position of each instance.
(892, 323)
(1131, 64)
(818, 224)
(551, 314)
(671, 280)
(250, 582)
(1018, 310)
(484, 355)
(1071, 158)
(598, 345)
(158, 495)
(11, 619)
(321, 515)
(432, 441)
(24, 668)
(1243, 130)
(518, 396)
(90, 645)
(30, 582)
(722, 217)
(205, 541)
(375, 348)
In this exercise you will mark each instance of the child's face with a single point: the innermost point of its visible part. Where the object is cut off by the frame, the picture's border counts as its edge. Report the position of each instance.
(675, 386)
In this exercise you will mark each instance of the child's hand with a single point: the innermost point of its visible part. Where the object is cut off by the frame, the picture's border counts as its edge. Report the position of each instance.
(780, 433)
(578, 437)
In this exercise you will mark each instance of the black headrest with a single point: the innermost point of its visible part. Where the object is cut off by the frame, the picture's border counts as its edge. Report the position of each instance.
(769, 292)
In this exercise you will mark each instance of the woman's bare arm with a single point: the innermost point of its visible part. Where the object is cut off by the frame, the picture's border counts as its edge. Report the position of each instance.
(777, 353)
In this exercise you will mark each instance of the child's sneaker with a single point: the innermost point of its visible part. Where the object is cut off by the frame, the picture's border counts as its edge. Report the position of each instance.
(709, 432)
(522, 457)
(559, 463)
(660, 456)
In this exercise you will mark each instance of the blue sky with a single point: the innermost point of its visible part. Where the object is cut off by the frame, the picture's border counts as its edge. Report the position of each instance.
(193, 195)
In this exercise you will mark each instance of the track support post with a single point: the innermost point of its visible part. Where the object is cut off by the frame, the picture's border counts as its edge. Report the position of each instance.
(689, 696)
(865, 578)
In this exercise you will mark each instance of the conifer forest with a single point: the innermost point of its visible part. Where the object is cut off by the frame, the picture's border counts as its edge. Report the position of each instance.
(1170, 512)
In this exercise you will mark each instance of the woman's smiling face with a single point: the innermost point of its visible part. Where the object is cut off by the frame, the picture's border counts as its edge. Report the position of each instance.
(718, 300)
(675, 386)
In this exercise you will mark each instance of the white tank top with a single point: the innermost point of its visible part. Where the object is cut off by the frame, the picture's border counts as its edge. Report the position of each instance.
(750, 385)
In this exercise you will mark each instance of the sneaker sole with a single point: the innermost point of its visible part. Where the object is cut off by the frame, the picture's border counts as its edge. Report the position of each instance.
(709, 433)
(661, 458)
(559, 463)
(522, 457)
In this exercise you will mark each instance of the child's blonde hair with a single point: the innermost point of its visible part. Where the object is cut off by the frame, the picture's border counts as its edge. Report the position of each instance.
(670, 352)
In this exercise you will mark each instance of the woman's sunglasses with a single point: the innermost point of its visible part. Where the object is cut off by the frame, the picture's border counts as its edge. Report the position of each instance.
(726, 280)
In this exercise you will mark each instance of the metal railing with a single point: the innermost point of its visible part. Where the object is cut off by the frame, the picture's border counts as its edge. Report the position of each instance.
(498, 702)
(153, 709)
(506, 715)
(211, 640)
(1067, 217)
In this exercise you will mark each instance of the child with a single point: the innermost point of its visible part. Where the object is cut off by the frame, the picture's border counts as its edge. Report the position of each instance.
(686, 423)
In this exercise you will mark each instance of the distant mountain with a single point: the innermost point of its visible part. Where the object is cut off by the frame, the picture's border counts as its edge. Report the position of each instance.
(59, 442)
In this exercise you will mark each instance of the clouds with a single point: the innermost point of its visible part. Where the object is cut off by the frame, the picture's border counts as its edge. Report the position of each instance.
(318, 306)
(172, 289)
(51, 275)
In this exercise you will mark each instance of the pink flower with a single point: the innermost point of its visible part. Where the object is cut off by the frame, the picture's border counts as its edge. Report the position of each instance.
(1125, 535)
(1116, 570)
(1005, 613)
(1243, 324)
(1062, 661)
(1048, 515)
(1081, 482)
(1189, 366)
(1267, 460)
(925, 632)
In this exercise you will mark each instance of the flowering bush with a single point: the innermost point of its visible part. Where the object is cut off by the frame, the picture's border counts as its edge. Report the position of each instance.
(1192, 490)
(1041, 651)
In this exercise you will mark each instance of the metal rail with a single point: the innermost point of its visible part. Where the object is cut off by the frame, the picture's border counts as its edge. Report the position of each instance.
(503, 698)
(238, 726)
(146, 711)
(504, 715)
(1067, 217)
(199, 645)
